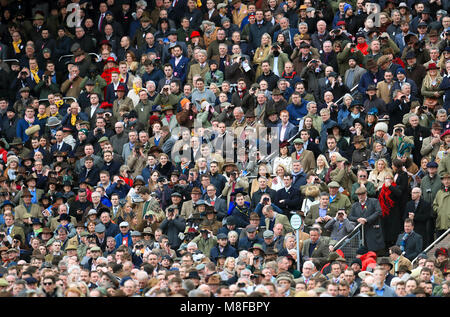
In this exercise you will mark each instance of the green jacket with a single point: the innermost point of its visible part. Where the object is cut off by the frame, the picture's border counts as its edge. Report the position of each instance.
(43, 90)
(163, 100)
(341, 201)
(444, 166)
(99, 85)
(392, 45)
(430, 187)
(219, 78)
(205, 245)
(143, 111)
(202, 118)
(344, 178)
(393, 143)
(282, 59)
(441, 208)
(371, 191)
(342, 59)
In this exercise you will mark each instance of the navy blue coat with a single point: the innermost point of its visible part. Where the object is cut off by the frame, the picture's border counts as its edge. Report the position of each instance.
(369, 78)
(180, 70)
(245, 243)
(227, 251)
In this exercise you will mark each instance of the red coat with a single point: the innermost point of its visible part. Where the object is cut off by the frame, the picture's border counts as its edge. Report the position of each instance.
(4, 154)
(364, 48)
(368, 260)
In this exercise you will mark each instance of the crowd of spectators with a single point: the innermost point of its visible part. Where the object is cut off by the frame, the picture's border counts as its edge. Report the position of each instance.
(160, 148)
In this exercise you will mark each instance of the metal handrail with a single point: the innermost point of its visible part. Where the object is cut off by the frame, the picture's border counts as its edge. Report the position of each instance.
(71, 55)
(10, 60)
(64, 98)
(340, 242)
(431, 246)
(64, 56)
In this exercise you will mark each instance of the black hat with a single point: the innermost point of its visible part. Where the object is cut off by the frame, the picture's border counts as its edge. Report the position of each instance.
(64, 217)
(410, 55)
(362, 250)
(231, 221)
(304, 45)
(385, 260)
(132, 114)
(422, 24)
(357, 261)
(194, 275)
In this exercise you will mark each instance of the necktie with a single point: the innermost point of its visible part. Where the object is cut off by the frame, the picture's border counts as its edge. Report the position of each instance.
(100, 23)
(9, 231)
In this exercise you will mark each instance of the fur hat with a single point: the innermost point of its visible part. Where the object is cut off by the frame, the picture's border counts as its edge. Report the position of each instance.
(381, 126)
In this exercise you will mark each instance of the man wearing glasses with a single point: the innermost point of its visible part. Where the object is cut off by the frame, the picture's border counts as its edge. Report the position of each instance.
(363, 182)
(50, 288)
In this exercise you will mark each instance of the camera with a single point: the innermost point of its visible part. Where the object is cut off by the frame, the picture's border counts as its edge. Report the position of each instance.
(423, 108)
(265, 200)
(353, 45)
(23, 73)
(170, 210)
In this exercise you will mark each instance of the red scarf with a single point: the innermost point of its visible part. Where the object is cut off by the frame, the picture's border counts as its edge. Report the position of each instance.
(385, 200)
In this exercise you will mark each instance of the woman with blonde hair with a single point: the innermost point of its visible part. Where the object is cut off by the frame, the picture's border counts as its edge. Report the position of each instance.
(12, 167)
(379, 173)
(322, 167)
(431, 83)
(262, 52)
(228, 269)
(133, 94)
(277, 181)
(312, 193)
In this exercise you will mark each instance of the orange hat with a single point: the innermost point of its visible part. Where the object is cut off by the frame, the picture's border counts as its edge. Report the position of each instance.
(184, 101)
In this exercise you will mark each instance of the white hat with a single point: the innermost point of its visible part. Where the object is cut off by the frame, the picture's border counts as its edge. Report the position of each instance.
(381, 126)
(92, 212)
(124, 224)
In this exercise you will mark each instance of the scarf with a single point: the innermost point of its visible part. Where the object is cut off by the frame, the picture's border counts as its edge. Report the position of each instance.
(35, 75)
(385, 200)
(241, 93)
(136, 89)
(42, 116)
(16, 46)
(73, 119)
(288, 76)
(30, 121)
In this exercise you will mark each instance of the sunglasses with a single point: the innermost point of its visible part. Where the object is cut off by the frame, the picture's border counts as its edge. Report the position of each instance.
(48, 283)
